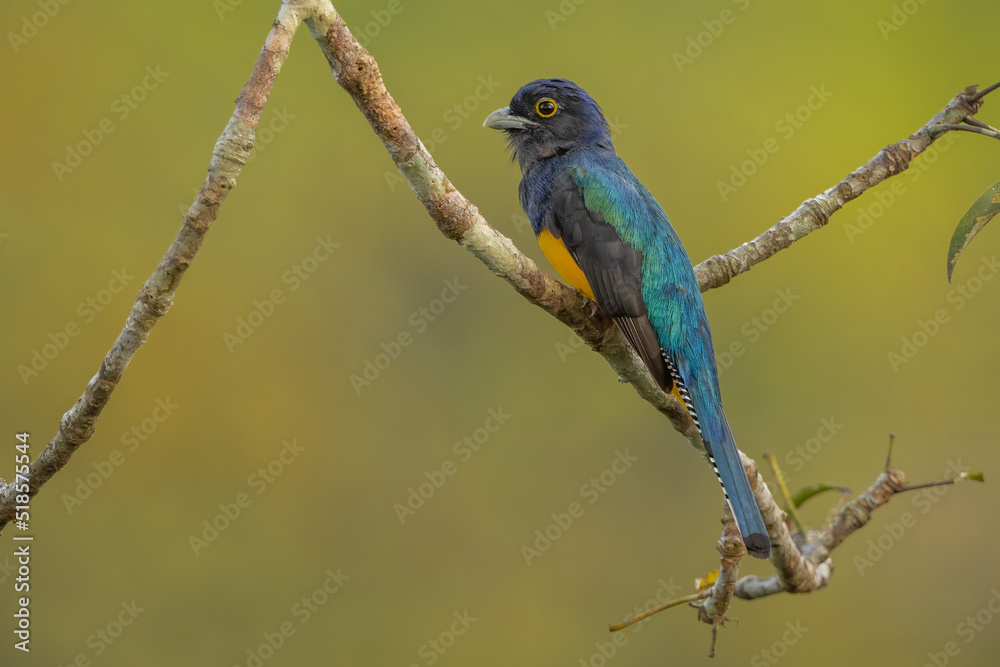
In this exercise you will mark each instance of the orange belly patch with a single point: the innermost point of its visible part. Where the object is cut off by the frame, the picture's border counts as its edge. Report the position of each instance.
(563, 262)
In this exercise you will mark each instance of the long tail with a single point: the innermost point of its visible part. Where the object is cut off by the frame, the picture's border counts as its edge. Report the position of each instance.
(724, 457)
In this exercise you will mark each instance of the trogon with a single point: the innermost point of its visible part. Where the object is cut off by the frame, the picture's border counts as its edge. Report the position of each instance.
(607, 236)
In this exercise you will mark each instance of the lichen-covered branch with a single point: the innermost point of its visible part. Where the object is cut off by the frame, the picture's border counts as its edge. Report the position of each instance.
(357, 72)
(731, 550)
(802, 562)
(814, 213)
(793, 571)
(157, 294)
(808, 567)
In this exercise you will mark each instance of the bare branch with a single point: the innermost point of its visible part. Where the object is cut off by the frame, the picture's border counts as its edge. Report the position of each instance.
(357, 72)
(856, 514)
(814, 213)
(157, 294)
(971, 127)
(700, 595)
(457, 218)
(801, 561)
(731, 549)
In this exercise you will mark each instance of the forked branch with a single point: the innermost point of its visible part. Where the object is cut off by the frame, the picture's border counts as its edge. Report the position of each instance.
(801, 562)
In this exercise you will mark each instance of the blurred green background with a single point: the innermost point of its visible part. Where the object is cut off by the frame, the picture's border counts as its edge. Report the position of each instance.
(124, 537)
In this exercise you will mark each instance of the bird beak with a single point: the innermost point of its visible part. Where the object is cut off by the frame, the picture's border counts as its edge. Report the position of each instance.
(503, 119)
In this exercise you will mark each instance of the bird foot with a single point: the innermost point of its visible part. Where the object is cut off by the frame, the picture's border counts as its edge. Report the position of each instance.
(594, 311)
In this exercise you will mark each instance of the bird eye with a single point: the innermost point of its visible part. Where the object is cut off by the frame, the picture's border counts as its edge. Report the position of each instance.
(546, 107)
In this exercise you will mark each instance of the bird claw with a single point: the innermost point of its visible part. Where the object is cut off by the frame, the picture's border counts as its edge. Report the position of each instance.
(594, 311)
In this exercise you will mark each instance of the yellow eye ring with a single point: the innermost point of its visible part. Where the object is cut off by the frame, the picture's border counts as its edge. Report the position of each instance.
(546, 107)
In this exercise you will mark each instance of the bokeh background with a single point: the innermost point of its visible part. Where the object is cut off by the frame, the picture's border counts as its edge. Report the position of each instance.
(816, 377)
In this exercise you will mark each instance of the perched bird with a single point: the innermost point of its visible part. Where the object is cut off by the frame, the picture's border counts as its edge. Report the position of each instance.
(608, 237)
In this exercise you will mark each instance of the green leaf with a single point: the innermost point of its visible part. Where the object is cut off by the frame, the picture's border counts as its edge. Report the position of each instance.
(981, 212)
(812, 491)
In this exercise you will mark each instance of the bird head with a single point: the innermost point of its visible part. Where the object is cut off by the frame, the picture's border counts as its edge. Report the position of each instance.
(549, 117)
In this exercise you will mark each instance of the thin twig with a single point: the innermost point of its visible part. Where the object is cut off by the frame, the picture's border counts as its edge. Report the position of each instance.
(700, 595)
(972, 120)
(941, 129)
(786, 495)
(978, 95)
(974, 476)
(927, 485)
(810, 569)
(815, 213)
(845, 495)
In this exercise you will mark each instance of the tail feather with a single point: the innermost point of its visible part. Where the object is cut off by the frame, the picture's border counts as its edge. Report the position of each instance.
(726, 462)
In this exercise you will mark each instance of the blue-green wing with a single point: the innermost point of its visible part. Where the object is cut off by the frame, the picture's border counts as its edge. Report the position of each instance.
(613, 270)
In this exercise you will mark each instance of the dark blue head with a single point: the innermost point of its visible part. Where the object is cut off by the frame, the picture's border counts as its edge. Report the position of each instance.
(549, 117)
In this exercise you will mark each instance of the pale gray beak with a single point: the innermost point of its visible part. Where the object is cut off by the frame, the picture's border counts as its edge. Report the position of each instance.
(503, 119)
